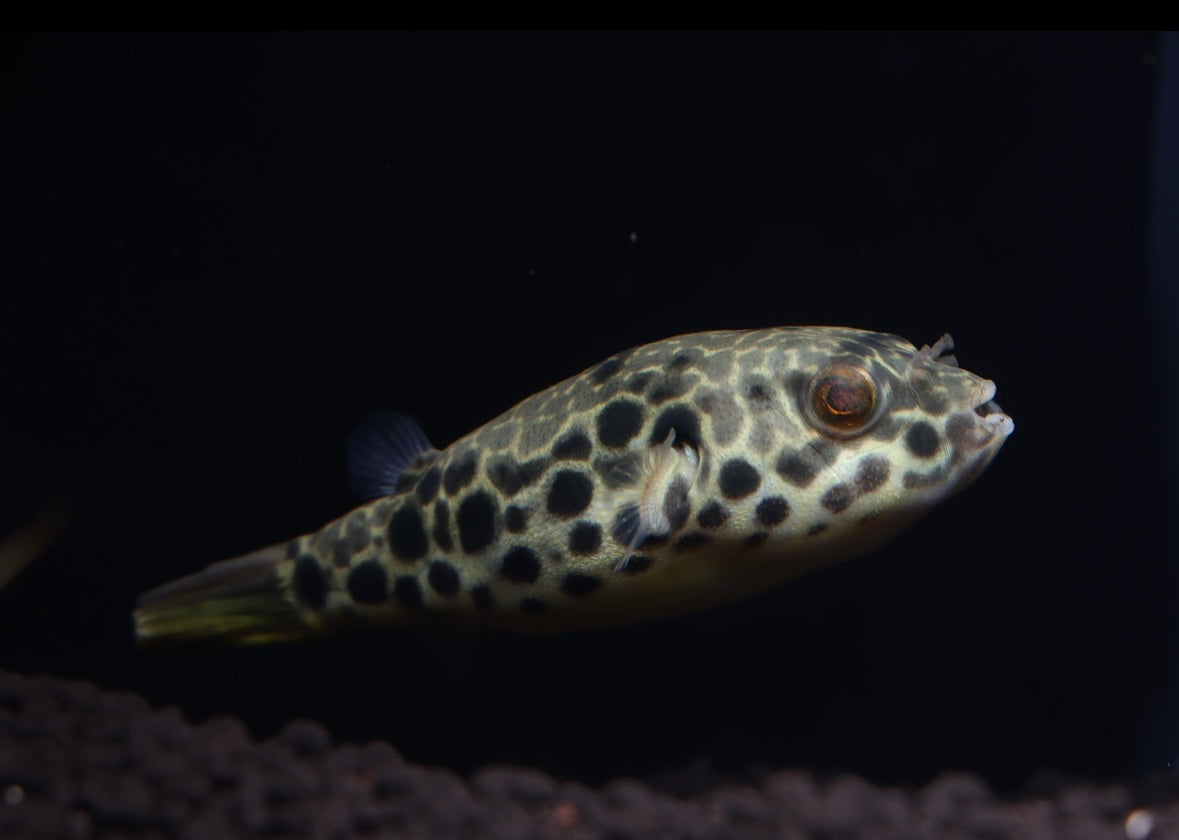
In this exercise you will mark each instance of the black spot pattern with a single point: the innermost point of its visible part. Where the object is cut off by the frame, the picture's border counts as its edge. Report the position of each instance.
(605, 370)
(530, 471)
(579, 584)
(520, 565)
(441, 529)
(922, 439)
(681, 360)
(585, 537)
(639, 381)
(758, 395)
(570, 493)
(476, 521)
(675, 503)
(515, 519)
(680, 417)
(504, 475)
(712, 515)
(407, 535)
(795, 469)
(407, 591)
(368, 583)
(637, 563)
(481, 596)
(460, 472)
(573, 446)
(817, 528)
(838, 498)
(738, 478)
(935, 402)
(443, 578)
(695, 539)
(872, 474)
(772, 510)
(533, 606)
(428, 485)
(755, 539)
(618, 422)
(405, 481)
(311, 585)
(668, 388)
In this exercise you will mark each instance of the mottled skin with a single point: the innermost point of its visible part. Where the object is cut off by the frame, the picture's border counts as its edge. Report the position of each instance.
(517, 524)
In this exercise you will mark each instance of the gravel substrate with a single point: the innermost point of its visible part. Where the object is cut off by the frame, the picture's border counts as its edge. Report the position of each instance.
(78, 762)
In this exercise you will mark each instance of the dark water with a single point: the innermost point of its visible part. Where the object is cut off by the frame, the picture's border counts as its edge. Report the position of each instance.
(220, 252)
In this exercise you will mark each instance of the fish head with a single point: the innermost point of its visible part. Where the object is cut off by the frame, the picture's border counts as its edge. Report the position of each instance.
(881, 431)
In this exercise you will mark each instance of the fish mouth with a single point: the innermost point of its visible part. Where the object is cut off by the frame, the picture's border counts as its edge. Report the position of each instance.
(991, 416)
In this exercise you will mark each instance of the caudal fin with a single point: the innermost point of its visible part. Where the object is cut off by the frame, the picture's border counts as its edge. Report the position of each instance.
(238, 602)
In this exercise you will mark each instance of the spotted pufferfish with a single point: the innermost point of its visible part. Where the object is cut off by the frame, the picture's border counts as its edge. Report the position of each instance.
(671, 477)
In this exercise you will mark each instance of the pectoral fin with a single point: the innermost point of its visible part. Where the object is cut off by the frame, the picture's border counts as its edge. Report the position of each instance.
(648, 494)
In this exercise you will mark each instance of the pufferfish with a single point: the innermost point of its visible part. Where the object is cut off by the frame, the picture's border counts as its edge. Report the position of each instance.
(669, 478)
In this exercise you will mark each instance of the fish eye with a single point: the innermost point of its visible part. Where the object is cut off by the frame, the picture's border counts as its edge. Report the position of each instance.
(842, 400)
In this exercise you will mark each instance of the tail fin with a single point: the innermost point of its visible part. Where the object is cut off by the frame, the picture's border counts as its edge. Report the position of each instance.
(237, 602)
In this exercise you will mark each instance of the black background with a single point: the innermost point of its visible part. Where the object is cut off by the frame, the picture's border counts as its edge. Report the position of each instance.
(220, 252)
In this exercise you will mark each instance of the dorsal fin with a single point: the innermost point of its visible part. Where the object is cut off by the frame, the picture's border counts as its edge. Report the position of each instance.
(384, 445)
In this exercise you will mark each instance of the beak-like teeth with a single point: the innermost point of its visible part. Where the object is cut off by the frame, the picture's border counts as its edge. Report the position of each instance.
(992, 417)
(997, 422)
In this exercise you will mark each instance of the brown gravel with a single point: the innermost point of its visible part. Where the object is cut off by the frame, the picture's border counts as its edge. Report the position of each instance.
(79, 762)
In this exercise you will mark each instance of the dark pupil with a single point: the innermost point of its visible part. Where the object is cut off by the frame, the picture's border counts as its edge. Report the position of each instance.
(845, 398)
